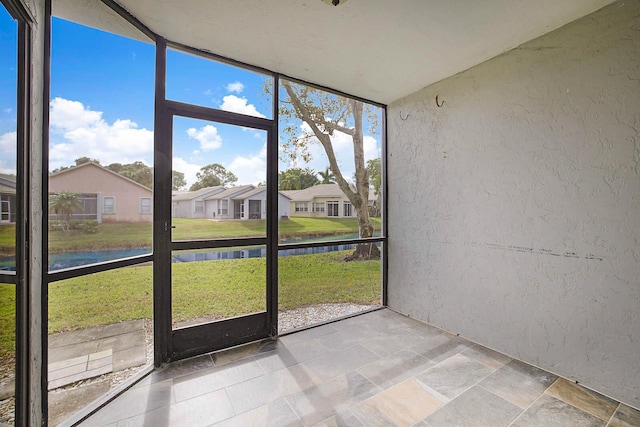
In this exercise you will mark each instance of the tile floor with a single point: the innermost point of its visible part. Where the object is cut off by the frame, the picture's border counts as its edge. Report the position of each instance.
(378, 369)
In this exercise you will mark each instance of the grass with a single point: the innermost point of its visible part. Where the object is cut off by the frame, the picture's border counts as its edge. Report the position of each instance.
(139, 235)
(7, 318)
(221, 289)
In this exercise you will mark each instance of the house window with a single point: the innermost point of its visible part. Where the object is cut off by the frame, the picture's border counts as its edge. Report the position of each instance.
(346, 209)
(199, 206)
(318, 207)
(109, 205)
(225, 207)
(302, 207)
(332, 208)
(145, 205)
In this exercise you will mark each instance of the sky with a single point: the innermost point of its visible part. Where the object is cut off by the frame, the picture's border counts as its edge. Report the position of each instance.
(102, 102)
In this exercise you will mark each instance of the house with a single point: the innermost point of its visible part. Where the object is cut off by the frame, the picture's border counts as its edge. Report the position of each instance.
(192, 204)
(241, 202)
(254, 203)
(105, 196)
(512, 198)
(7, 198)
(323, 200)
(223, 205)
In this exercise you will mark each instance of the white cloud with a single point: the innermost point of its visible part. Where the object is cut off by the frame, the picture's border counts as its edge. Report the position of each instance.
(252, 169)
(239, 105)
(207, 136)
(236, 87)
(78, 131)
(8, 143)
(343, 149)
(188, 169)
(8, 110)
(8, 152)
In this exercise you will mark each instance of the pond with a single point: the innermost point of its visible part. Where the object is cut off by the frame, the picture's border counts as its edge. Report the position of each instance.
(61, 260)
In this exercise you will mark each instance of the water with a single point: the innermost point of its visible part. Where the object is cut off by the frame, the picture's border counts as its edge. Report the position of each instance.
(61, 260)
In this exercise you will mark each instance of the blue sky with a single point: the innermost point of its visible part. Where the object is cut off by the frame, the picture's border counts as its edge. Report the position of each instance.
(102, 100)
(8, 54)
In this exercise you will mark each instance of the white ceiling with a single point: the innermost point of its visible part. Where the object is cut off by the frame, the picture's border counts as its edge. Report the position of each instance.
(380, 50)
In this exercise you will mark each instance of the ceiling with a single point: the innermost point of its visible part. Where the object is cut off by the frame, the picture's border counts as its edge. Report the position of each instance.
(380, 50)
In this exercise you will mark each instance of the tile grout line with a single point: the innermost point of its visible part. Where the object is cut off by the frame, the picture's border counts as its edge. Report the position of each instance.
(613, 414)
(532, 403)
(286, 400)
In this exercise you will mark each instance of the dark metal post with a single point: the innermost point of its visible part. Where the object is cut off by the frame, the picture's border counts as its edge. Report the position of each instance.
(161, 213)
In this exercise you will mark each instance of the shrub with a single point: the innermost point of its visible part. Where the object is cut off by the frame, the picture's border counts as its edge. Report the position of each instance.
(90, 227)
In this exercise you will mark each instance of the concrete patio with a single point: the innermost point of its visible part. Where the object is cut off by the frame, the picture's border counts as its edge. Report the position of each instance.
(380, 368)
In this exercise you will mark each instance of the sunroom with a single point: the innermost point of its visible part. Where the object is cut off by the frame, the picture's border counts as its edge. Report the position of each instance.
(502, 138)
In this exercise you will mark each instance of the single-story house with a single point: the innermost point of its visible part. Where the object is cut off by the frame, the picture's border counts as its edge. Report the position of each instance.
(241, 202)
(255, 206)
(322, 200)
(224, 206)
(7, 198)
(192, 204)
(105, 196)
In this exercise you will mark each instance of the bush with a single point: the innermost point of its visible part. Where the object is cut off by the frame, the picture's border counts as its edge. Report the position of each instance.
(90, 227)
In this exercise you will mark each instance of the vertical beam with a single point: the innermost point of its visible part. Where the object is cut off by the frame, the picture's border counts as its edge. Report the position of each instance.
(272, 218)
(22, 225)
(385, 206)
(161, 213)
(39, 229)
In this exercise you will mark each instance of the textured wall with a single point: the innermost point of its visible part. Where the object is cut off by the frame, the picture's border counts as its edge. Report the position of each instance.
(515, 207)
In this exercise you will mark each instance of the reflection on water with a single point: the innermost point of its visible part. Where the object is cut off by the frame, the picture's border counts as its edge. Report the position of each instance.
(61, 260)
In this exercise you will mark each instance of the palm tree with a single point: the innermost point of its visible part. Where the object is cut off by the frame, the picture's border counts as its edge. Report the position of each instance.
(64, 204)
(327, 176)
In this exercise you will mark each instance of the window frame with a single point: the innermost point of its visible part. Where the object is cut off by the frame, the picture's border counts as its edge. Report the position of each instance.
(301, 206)
(143, 209)
(330, 205)
(198, 206)
(104, 205)
(319, 207)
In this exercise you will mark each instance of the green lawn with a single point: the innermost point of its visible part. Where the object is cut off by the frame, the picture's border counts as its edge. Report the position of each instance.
(220, 288)
(138, 235)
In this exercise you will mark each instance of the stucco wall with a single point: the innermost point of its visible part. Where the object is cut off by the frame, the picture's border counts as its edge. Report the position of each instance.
(94, 179)
(515, 207)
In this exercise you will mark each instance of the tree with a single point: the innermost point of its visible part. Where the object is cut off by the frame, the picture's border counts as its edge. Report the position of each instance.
(213, 175)
(327, 176)
(82, 160)
(374, 168)
(297, 179)
(64, 204)
(179, 182)
(138, 172)
(325, 114)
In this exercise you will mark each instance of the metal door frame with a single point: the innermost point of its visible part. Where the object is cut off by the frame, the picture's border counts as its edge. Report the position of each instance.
(180, 343)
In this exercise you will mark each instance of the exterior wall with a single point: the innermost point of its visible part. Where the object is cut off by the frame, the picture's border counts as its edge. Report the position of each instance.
(283, 207)
(181, 209)
(92, 179)
(311, 214)
(210, 208)
(515, 207)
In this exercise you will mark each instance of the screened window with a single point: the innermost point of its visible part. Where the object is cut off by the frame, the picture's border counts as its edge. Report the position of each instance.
(318, 207)
(347, 209)
(302, 207)
(332, 208)
(145, 205)
(225, 207)
(199, 206)
(109, 205)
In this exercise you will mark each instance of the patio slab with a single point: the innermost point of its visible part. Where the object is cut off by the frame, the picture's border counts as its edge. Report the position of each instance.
(90, 352)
